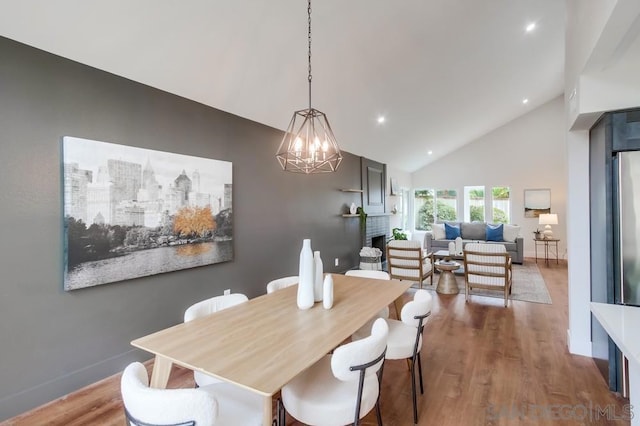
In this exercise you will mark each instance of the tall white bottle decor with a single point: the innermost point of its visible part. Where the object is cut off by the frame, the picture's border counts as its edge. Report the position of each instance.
(327, 292)
(459, 246)
(305, 274)
(452, 248)
(317, 277)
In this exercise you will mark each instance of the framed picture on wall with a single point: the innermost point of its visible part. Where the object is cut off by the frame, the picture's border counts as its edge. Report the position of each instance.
(536, 202)
(132, 212)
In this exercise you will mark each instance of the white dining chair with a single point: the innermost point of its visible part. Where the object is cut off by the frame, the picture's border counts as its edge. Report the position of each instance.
(223, 404)
(208, 307)
(280, 283)
(144, 406)
(405, 338)
(341, 388)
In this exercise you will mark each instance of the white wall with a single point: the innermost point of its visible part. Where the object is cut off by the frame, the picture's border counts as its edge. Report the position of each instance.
(526, 153)
(598, 51)
(403, 179)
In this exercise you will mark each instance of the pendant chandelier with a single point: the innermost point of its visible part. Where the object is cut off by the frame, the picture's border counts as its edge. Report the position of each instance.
(308, 145)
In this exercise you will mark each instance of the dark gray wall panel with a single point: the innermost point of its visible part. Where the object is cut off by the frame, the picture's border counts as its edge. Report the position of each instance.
(54, 342)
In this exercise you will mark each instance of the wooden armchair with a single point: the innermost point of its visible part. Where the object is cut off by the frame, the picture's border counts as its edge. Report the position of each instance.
(487, 266)
(407, 261)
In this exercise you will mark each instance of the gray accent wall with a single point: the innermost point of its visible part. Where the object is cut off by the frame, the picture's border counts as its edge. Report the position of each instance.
(54, 342)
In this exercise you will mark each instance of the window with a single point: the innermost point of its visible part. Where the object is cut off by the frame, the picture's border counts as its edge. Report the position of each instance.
(434, 206)
(446, 205)
(423, 208)
(501, 204)
(474, 203)
(404, 208)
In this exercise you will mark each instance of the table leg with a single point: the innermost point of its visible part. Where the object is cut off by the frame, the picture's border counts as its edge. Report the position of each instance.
(535, 246)
(546, 253)
(397, 305)
(161, 371)
(447, 283)
(267, 414)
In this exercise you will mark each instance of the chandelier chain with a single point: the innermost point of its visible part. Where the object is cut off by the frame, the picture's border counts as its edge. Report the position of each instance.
(308, 145)
(309, 53)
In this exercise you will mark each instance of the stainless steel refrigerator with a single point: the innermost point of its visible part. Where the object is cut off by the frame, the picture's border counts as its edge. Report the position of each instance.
(614, 210)
(627, 288)
(626, 245)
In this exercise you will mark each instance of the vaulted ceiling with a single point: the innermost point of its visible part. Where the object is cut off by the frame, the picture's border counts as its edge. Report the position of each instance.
(441, 72)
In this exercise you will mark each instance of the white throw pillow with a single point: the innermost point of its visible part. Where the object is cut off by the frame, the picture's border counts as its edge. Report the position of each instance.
(437, 230)
(510, 233)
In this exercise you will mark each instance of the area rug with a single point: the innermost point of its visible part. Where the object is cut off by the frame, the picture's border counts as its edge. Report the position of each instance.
(527, 286)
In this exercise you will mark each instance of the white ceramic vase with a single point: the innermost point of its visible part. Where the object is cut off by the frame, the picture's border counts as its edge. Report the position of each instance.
(459, 246)
(327, 292)
(306, 276)
(353, 209)
(452, 248)
(317, 277)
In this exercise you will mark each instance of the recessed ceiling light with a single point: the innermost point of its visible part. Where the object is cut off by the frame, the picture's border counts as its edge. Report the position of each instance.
(380, 119)
(530, 27)
(429, 152)
(525, 101)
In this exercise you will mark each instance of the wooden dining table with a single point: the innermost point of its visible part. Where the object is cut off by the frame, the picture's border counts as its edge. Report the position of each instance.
(262, 344)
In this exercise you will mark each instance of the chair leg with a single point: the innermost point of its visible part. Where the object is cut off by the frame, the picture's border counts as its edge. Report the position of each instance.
(281, 414)
(378, 414)
(413, 391)
(420, 373)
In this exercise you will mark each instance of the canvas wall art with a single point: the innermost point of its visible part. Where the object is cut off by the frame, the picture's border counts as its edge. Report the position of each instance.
(537, 202)
(131, 212)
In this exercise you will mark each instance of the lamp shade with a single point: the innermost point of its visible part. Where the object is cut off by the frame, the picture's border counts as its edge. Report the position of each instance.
(548, 219)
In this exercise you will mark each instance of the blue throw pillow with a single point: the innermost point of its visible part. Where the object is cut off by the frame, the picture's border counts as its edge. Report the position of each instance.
(494, 232)
(451, 232)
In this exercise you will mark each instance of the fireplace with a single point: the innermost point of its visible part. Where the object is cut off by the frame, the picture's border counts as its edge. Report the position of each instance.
(377, 233)
(380, 242)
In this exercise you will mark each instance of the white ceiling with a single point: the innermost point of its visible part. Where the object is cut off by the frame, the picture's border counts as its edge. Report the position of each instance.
(443, 72)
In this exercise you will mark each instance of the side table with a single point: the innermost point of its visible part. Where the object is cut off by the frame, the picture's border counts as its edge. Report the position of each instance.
(447, 281)
(547, 242)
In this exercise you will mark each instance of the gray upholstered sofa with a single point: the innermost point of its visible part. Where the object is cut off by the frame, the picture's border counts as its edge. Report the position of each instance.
(473, 232)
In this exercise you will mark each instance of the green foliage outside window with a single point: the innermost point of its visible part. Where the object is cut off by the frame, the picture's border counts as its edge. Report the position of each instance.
(476, 213)
(426, 214)
(500, 194)
(499, 216)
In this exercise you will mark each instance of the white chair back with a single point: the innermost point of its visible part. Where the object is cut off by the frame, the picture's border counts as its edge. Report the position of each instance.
(148, 406)
(281, 283)
(360, 352)
(365, 273)
(214, 304)
(418, 307)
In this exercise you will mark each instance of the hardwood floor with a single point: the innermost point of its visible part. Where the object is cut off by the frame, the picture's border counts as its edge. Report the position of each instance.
(483, 364)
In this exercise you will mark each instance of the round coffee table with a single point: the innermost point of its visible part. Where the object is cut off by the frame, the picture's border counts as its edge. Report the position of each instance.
(447, 282)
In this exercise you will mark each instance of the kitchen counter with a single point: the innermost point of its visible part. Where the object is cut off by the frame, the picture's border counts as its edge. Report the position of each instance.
(622, 324)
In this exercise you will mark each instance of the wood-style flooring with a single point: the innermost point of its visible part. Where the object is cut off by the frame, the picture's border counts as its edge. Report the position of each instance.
(483, 364)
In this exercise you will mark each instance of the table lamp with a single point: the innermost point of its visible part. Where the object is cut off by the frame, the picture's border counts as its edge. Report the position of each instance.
(547, 220)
